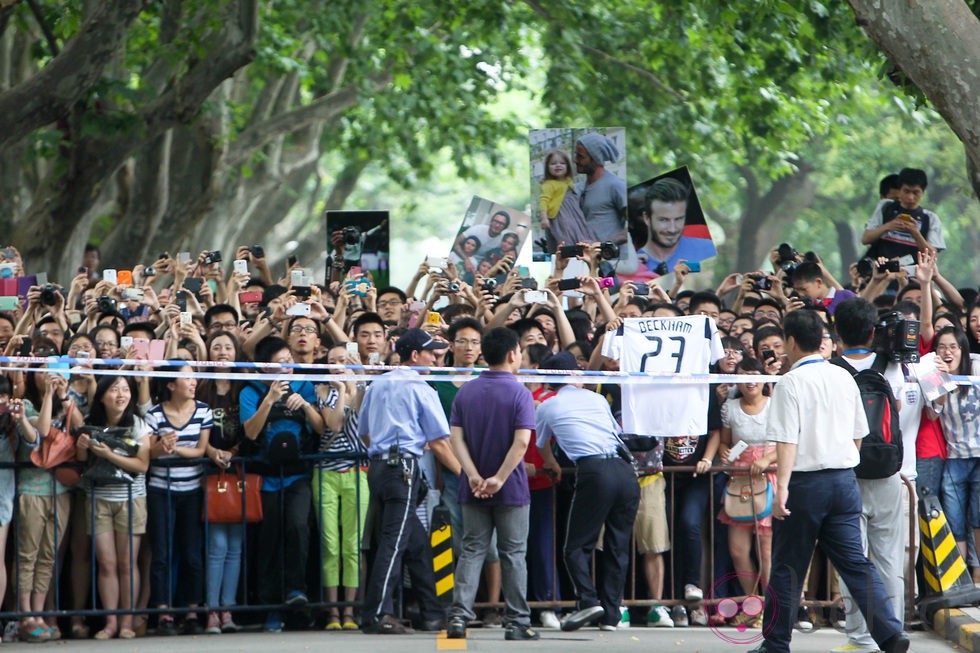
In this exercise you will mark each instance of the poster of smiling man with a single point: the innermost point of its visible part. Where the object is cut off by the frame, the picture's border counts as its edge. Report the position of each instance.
(578, 189)
(666, 216)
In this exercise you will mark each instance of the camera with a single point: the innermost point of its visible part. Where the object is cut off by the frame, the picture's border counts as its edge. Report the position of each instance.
(897, 338)
(453, 286)
(149, 271)
(352, 235)
(807, 302)
(571, 251)
(213, 256)
(866, 267)
(786, 257)
(608, 250)
(49, 294)
(489, 284)
(257, 251)
(892, 265)
(106, 304)
(762, 283)
(132, 294)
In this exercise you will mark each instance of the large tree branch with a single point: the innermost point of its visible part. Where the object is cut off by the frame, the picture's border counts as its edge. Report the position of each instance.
(609, 58)
(943, 59)
(322, 109)
(49, 95)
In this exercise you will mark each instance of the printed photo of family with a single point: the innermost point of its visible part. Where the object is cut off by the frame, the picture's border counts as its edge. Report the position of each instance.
(578, 189)
(489, 232)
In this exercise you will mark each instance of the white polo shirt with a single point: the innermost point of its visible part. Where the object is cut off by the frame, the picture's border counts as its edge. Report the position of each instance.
(817, 406)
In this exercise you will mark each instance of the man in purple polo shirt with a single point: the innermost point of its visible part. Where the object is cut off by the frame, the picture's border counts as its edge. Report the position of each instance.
(490, 428)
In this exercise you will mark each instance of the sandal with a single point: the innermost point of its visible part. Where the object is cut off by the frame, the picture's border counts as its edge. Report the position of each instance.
(79, 630)
(349, 623)
(105, 633)
(36, 634)
(126, 633)
(55, 633)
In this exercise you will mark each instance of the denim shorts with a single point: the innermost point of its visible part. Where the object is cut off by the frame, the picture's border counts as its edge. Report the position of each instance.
(960, 496)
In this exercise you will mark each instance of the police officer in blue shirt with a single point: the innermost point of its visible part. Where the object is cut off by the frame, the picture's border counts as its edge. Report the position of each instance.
(606, 493)
(400, 414)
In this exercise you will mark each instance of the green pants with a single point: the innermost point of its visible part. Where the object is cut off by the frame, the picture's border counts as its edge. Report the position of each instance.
(341, 503)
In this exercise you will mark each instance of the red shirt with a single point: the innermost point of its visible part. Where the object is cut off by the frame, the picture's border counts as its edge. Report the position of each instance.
(540, 480)
(930, 441)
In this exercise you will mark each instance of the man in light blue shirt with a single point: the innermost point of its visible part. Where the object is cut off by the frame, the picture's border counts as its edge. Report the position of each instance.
(606, 494)
(400, 414)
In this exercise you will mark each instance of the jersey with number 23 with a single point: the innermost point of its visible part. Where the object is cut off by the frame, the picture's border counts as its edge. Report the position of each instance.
(679, 345)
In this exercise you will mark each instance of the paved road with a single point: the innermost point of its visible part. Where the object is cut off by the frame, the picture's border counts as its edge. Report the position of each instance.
(643, 640)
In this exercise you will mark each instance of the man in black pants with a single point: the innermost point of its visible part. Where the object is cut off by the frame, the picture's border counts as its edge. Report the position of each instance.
(606, 494)
(817, 421)
(400, 414)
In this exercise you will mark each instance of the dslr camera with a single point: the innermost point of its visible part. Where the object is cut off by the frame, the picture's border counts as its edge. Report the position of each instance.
(897, 338)
(352, 235)
(608, 250)
(489, 284)
(762, 282)
(49, 294)
(786, 257)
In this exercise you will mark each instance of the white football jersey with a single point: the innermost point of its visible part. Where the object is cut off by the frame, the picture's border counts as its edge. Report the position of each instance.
(679, 345)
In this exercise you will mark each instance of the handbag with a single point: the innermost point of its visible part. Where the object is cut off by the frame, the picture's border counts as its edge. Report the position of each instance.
(232, 498)
(56, 448)
(748, 497)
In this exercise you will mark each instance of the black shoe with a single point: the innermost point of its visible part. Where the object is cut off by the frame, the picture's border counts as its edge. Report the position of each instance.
(192, 627)
(837, 617)
(456, 628)
(296, 599)
(761, 648)
(583, 617)
(432, 625)
(166, 628)
(897, 643)
(516, 631)
(387, 625)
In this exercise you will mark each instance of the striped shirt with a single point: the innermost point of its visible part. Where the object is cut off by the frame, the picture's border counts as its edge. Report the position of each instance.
(347, 441)
(118, 492)
(183, 478)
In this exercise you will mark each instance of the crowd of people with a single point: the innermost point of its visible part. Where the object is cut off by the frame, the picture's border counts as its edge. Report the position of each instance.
(355, 468)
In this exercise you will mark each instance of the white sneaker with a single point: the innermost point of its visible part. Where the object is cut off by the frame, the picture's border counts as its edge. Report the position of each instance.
(624, 617)
(693, 593)
(550, 620)
(659, 617)
(606, 627)
(853, 648)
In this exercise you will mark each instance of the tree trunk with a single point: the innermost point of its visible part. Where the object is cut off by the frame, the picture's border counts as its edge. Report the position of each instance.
(765, 211)
(935, 44)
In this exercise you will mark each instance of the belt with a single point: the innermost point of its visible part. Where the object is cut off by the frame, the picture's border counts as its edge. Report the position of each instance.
(599, 456)
(388, 456)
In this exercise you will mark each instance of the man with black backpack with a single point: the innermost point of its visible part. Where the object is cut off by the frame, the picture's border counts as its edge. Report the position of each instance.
(883, 527)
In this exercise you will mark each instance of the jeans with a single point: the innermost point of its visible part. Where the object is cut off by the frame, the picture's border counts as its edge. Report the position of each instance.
(929, 475)
(541, 547)
(960, 495)
(176, 533)
(224, 563)
(688, 505)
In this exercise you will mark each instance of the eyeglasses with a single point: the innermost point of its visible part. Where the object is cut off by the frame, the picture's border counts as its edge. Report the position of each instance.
(463, 342)
(105, 343)
(389, 302)
(952, 347)
(303, 329)
(45, 351)
(734, 352)
(230, 324)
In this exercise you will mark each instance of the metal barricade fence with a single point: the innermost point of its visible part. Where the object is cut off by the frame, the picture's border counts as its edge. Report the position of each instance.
(317, 601)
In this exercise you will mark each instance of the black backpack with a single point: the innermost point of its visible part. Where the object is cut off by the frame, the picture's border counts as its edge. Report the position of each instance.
(881, 449)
